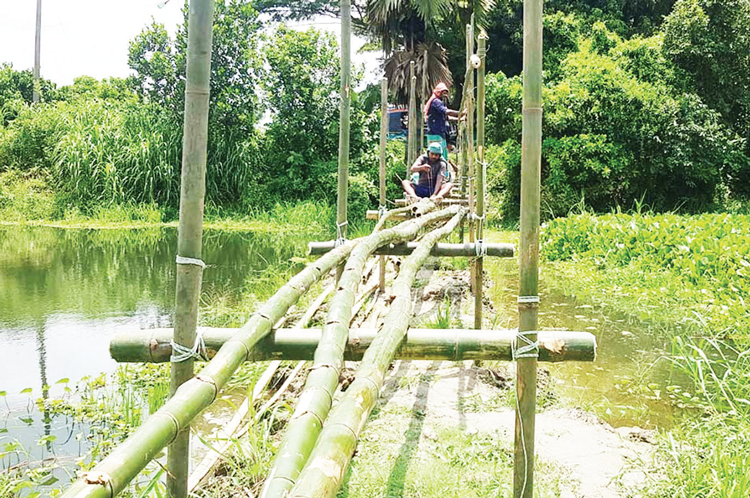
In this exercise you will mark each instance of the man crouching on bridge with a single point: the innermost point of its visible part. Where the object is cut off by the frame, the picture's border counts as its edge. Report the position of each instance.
(433, 175)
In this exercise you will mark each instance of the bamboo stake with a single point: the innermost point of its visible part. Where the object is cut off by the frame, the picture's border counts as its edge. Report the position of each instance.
(343, 172)
(192, 193)
(37, 53)
(113, 473)
(325, 469)
(469, 94)
(479, 269)
(412, 118)
(528, 306)
(383, 144)
(423, 101)
(317, 396)
(440, 249)
(297, 344)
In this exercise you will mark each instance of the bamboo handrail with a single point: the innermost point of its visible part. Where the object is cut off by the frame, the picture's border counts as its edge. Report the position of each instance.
(441, 249)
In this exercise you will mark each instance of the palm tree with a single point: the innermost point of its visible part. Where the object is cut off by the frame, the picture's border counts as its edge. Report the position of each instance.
(405, 23)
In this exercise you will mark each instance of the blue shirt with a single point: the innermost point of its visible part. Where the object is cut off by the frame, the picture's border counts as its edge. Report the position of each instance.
(437, 115)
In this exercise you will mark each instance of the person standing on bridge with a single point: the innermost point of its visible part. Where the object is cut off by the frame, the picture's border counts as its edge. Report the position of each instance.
(431, 168)
(437, 114)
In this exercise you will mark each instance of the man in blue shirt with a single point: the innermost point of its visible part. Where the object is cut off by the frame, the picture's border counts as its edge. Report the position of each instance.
(437, 113)
(431, 168)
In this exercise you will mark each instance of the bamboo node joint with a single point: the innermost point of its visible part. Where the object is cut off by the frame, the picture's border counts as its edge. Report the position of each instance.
(208, 380)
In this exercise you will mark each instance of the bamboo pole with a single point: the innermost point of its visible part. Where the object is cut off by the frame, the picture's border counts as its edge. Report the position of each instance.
(440, 249)
(298, 344)
(192, 193)
(343, 172)
(322, 475)
(412, 119)
(113, 473)
(425, 96)
(469, 95)
(481, 171)
(317, 396)
(528, 305)
(37, 53)
(383, 144)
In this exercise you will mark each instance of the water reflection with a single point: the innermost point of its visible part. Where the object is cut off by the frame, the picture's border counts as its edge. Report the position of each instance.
(65, 293)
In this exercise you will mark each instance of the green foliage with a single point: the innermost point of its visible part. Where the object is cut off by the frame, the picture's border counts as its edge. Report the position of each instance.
(707, 253)
(707, 40)
(25, 196)
(613, 138)
(19, 85)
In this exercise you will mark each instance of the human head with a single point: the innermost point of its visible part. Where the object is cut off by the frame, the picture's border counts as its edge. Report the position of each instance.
(441, 90)
(434, 150)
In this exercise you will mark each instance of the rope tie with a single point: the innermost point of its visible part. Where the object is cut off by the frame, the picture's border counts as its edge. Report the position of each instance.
(181, 260)
(382, 210)
(340, 239)
(480, 248)
(529, 349)
(182, 353)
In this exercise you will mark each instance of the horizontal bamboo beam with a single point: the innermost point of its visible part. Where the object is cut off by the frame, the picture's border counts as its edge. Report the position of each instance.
(449, 201)
(374, 214)
(154, 346)
(440, 249)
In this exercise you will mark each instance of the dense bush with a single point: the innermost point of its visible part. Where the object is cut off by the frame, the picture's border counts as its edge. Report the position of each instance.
(614, 138)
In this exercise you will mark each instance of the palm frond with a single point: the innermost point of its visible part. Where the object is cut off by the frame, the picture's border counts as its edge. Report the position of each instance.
(397, 68)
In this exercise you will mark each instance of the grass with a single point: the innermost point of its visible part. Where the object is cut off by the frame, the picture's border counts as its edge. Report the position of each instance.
(687, 275)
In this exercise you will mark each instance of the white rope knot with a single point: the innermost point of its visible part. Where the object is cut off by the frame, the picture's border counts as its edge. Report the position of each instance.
(382, 210)
(182, 353)
(340, 239)
(480, 248)
(529, 349)
(181, 260)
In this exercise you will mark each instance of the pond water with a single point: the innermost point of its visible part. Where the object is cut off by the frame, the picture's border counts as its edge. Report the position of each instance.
(65, 293)
(627, 384)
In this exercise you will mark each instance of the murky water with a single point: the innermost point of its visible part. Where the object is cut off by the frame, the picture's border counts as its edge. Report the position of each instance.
(65, 293)
(632, 362)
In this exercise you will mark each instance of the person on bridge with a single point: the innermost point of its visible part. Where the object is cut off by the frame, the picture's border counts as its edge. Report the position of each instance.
(432, 170)
(437, 113)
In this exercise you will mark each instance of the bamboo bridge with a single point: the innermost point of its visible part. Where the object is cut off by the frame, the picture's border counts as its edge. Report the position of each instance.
(321, 437)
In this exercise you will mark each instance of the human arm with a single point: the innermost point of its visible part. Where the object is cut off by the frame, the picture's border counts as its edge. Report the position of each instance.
(420, 165)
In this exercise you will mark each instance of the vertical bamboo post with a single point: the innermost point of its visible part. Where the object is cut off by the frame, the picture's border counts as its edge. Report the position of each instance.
(480, 178)
(470, 140)
(421, 103)
(192, 192)
(412, 118)
(383, 144)
(37, 52)
(343, 173)
(528, 305)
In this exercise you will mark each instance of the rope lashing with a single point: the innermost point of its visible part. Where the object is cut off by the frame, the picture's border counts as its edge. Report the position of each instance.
(527, 348)
(382, 210)
(181, 260)
(340, 238)
(480, 248)
(182, 353)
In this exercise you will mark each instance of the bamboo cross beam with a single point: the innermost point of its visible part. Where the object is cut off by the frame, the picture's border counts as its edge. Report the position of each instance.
(440, 249)
(296, 344)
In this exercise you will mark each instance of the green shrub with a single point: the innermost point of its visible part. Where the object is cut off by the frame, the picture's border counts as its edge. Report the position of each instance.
(25, 196)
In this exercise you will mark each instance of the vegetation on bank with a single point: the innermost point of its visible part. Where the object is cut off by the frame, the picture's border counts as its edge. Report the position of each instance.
(691, 274)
